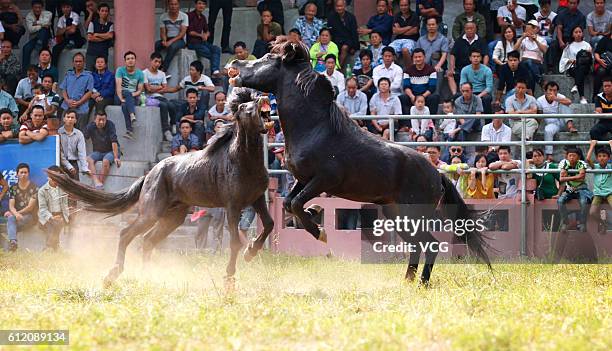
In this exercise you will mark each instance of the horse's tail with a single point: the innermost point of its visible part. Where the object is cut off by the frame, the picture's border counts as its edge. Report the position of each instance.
(100, 201)
(475, 239)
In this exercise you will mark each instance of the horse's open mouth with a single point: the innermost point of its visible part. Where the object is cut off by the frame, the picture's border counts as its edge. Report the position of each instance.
(264, 112)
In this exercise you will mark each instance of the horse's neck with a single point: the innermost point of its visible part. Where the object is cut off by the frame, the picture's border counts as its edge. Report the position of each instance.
(248, 145)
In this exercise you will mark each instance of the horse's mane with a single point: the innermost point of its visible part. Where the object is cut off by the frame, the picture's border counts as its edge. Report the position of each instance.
(223, 139)
(237, 97)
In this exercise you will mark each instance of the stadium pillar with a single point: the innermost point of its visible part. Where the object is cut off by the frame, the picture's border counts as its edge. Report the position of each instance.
(135, 27)
(364, 9)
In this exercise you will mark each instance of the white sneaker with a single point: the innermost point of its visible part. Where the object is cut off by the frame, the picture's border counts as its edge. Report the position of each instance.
(574, 89)
(168, 135)
(174, 129)
(583, 101)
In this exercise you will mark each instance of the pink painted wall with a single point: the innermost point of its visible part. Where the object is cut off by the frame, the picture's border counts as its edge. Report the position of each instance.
(135, 20)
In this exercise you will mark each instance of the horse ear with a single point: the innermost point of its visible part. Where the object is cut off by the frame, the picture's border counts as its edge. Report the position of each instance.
(290, 52)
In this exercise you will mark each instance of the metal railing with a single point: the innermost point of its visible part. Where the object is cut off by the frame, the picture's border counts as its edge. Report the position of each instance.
(523, 144)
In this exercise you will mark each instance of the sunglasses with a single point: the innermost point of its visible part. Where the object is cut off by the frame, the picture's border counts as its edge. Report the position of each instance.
(455, 149)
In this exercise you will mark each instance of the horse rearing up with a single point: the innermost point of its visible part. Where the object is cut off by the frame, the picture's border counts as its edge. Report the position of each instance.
(327, 152)
(229, 173)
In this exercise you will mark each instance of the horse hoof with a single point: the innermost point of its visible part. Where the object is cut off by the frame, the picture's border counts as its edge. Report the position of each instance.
(230, 285)
(322, 235)
(249, 252)
(410, 275)
(314, 209)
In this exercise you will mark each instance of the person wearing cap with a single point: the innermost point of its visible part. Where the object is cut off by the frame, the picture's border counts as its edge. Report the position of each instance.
(532, 48)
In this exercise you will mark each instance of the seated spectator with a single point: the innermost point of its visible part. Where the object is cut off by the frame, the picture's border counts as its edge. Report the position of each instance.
(34, 129)
(197, 37)
(448, 127)
(53, 210)
(267, 31)
(198, 81)
(602, 183)
(384, 103)
(507, 76)
(354, 101)
(44, 65)
(6, 100)
(375, 48)
(365, 73)
(481, 78)
(481, 182)
(240, 53)
(554, 103)
(577, 67)
(565, 23)
(219, 111)
(295, 36)
(532, 48)
(104, 86)
(421, 126)
(38, 99)
(460, 54)
(603, 104)
(323, 47)
(185, 141)
(454, 152)
(496, 132)
(53, 99)
(507, 182)
(468, 104)
(420, 79)
(100, 36)
(12, 21)
(426, 9)
(155, 85)
(434, 157)
(172, 30)
(434, 44)
(73, 155)
(105, 147)
(503, 47)
(9, 128)
(129, 84)
(469, 16)
(23, 94)
(381, 22)
(599, 22)
(309, 26)
(512, 15)
(548, 183)
(10, 67)
(38, 24)
(343, 27)
(23, 198)
(406, 32)
(334, 76)
(67, 35)
(575, 187)
(422, 149)
(603, 63)
(521, 103)
(390, 71)
(77, 88)
(194, 114)
(545, 18)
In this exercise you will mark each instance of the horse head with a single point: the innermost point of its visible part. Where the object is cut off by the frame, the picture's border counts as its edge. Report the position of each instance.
(251, 111)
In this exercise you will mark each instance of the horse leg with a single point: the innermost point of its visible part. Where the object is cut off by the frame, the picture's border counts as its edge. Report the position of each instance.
(392, 212)
(430, 257)
(261, 209)
(310, 191)
(139, 226)
(297, 187)
(171, 220)
(233, 217)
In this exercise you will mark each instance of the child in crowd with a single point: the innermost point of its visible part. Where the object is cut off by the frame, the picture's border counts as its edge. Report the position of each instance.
(575, 187)
(547, 182)
(602, 183)
(422, 126)
(448, 125)
(456, 173)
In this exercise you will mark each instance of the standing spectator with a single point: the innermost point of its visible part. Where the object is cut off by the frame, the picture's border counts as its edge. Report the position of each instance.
(172, 30)
(468, 104)
(100, 35)
(533, 48)
(334, 76)
(129, 84)
(38, 23)
(44, 65)
(521, 103)
(512, 15)
(197, 37)
(23, 94)
(52, 210)
(460, 54)
(155, 85)
(434, 44)
(67, 34)
(481, 78)
(503, 47)
(309, 26)
(575, 187)
(547, 182)
(382, 23)
(577, 66)
(603, 63)
(185, 141)
(507, 76)
(10, 67)
(72, 154)
(384, 103)
(267, 31)
(7, 101)
(91, 12)
(22, 204)
(105, 147)
(565, 23)
(602, 183)
(390, 71)
(276, 7)
(599, 22)
(354, 101)
(554, 103)
(507, 182)
(481, 182)
(469, 16)
(375, 49)
(406, 31)
(343, 27)
(365, 73)
(322, 48)
(9, 128)
(420, 79)
(12, 21)
(603, 104)
(34, 129)
(77, 88)
(198, 81)
(496, 132)
(103, 93)
(193, 113)
(227, 7)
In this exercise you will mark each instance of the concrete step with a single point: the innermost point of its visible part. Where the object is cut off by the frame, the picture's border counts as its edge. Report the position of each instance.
(163, 155)
(565, 85)
(122, 177)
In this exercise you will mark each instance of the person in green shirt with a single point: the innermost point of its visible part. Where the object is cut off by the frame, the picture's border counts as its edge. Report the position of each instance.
(602, 183)
(575, 187)
(547, 182)
(267, 31)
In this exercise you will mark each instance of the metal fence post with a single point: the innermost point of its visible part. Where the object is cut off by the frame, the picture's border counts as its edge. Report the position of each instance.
(391, 129)
(523, 188)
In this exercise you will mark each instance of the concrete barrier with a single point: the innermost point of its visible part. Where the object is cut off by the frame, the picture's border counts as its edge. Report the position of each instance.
(147, 129)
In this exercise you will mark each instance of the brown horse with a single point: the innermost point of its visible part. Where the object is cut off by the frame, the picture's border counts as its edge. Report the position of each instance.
(229, 173)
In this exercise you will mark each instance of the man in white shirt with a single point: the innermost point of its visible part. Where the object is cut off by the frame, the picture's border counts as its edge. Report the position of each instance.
(511, 15)
(521, 103)
(532, 48)
(554, 103)
(38, 25)
(508, 182)
(496, 131)
(389, 70)
(172, 29)
(336, 78)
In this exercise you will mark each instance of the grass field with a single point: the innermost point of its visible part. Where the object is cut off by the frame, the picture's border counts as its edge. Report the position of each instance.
(289, 303)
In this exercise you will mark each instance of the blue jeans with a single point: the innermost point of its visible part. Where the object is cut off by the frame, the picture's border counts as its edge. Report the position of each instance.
(584, 196)
(43, 37)
(13, 225)
(128, 107)
(165, 112)
(246, 218)
(171, 51)
(209, 51)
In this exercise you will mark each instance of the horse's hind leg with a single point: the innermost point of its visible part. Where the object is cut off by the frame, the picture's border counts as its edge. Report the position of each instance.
(392, 212)
(312, 189)
(233, 217)
(170, 220)
(261, 208)
(430, 256)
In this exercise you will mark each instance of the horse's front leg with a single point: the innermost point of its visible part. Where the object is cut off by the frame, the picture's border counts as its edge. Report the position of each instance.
(312, 189)
(233, 217)
(261, 208)
(297, 187)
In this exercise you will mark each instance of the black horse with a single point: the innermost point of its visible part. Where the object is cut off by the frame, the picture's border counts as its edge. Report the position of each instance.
(326, 152)
(229, 173)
